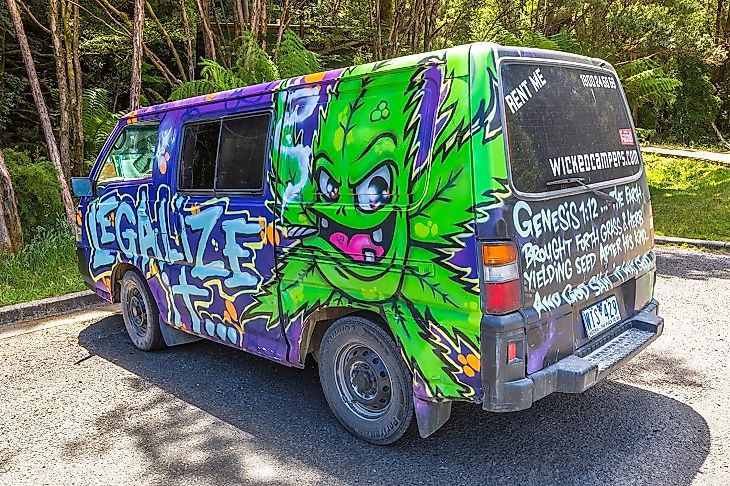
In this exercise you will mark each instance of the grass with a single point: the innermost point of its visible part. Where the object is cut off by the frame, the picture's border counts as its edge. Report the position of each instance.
(46, 267)
(690, 198)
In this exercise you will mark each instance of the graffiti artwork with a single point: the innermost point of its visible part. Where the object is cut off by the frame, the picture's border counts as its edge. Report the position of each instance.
(380, 180)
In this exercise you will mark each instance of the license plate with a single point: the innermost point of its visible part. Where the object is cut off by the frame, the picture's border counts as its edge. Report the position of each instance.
(600, 316)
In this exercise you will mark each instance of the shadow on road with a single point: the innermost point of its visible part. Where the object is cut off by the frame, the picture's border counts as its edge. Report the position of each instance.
(615, 433)
(695, 265)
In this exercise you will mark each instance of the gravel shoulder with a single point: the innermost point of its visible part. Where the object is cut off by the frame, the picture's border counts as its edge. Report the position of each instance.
(80, 405)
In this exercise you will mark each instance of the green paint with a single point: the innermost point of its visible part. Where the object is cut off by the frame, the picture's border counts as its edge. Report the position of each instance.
(363, 176)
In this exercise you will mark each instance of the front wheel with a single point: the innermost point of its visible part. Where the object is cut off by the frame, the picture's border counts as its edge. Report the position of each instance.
(365, 381)
(140, 313)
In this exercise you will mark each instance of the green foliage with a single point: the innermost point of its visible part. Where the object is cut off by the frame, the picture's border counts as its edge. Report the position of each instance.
(561, 41)
(294, 59)
(252, 65)
(697, 106)
(98, 120)
(645, 81)
(690, 198)
(44, 268)
(12, 95)
(525, 38)
(36, 188)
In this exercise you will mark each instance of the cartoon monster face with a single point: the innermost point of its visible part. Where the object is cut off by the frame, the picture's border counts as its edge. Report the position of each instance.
(360, 170)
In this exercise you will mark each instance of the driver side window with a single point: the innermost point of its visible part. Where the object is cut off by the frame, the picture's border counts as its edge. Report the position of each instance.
(130, 156)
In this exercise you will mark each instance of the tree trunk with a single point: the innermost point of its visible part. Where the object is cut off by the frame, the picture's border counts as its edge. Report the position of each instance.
(59, 55)
(168, 40)
(208, 42)
(135, 86)
(79, 94)
(122, 20)
(283, 25)
(40, 104)
(246, 14)
(240, 16)
(11, 233)
(73, 70)
(188, 39)
(259, 19)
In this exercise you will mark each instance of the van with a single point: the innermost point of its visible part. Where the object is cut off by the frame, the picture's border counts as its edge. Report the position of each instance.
(468, 224)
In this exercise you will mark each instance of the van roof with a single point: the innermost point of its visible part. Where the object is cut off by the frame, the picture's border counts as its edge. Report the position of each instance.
(383, 66)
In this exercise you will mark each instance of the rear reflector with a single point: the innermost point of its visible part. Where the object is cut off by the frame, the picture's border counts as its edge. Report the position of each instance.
(511, 351)
(651, 225)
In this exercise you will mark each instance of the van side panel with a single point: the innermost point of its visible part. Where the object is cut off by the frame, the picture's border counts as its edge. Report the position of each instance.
(374, 180)
(204, 256)
(371, 207)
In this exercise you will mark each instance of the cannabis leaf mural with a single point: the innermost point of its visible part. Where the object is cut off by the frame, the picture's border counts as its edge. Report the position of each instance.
(376, 205)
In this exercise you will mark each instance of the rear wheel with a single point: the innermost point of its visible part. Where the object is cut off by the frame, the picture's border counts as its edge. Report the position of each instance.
(140, 313)
(366, 383)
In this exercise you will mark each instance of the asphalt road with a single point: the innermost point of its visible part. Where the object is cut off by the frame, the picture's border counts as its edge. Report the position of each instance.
(80, 405)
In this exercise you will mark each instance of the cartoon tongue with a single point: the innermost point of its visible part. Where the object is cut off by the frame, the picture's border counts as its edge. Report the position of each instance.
(360, 247)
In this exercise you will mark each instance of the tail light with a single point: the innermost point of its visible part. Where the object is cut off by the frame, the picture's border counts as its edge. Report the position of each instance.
(501, 278)
(651, 225)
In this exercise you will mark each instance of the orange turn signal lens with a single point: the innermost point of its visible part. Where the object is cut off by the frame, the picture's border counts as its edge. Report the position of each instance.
(498, 254)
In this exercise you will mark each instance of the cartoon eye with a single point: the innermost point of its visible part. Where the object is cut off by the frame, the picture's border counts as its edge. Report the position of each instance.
(375, 191)
(328, 187)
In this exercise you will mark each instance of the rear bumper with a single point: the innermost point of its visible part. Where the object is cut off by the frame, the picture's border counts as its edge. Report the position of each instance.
(575, 373)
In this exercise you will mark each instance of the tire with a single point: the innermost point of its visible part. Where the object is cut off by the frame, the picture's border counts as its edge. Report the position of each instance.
(140, 313)
(365, 381)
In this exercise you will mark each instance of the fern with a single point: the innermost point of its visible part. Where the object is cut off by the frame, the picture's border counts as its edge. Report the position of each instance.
(645, 81)
(562, 41)
(294, 59)
(566, 41)
(506, 37)
(193, 88)
(97, 119)
(252, 65)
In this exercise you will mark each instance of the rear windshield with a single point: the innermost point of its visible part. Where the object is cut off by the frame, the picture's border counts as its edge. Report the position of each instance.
(566, 122)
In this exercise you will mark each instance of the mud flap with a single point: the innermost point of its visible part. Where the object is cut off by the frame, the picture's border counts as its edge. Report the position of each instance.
(430, 416)
(175, 337)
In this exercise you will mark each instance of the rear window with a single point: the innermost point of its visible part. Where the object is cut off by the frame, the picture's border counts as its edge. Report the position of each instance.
(566, 122)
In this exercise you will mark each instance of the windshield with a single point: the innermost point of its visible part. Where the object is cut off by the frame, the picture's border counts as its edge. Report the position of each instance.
(566, 122)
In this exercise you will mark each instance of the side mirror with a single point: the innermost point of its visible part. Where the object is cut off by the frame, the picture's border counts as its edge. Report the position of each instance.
(81, 186)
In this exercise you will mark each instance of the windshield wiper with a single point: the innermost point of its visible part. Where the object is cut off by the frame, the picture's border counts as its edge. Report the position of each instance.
(580, 181)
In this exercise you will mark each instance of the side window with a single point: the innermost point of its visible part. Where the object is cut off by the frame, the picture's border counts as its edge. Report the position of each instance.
(242, 153)
(225, 155)
(198, 156)
(131, 155)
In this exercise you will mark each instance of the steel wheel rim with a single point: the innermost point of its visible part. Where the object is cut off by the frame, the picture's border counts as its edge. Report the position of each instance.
(136, 311)
(363, 381)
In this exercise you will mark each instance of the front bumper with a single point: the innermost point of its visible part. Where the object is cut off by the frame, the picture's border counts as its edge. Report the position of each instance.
(505, 392)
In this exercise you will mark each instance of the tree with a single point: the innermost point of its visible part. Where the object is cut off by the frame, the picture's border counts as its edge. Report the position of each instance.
(40, 103)
(59, 54)
(208, 40)
(135, 86)
(11, 233)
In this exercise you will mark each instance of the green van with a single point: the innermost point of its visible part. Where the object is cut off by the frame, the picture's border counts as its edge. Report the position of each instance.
(467, 224)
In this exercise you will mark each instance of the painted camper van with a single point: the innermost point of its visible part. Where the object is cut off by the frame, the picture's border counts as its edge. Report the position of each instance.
(468, 224)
